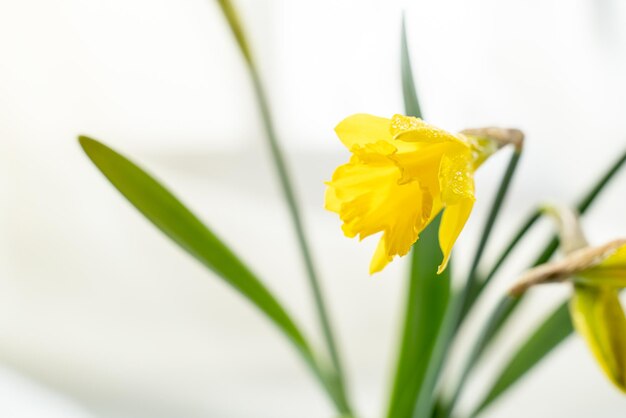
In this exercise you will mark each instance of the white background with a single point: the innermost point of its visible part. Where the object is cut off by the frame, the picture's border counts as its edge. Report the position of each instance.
(101, 316)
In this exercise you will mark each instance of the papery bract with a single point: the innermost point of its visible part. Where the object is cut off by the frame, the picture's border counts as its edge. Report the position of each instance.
(598, 274)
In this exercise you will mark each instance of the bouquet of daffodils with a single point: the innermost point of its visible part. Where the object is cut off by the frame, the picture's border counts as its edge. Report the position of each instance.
(412, 184)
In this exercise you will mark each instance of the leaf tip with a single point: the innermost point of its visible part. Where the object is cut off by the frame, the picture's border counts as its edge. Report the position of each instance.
(92, 147)
(86, 143)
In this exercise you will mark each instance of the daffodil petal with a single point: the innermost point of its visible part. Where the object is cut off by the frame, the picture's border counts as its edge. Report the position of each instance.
(362, 129)
(413, 135)
(422, 165)
(427, 133)
(373, 151)
(598, 316)
(618, 258)
(401, 123)
(452, 222)
(331, 201)
(380, 258)
(370, 199)
(456, 176)
(611, 271)
(401, 174)
(358, 193)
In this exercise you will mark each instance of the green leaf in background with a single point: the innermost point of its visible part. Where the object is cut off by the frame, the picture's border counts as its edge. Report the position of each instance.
(427, 301)
(508, 305)
(337, 377)
(235, 26)
(427, 293)
(168, 214)
(409, 92)
(471, 290)
(474, 289)
(582, 207)
(542, 341)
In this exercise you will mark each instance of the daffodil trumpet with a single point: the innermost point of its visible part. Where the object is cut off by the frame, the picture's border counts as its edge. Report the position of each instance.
(597, 274)
(401, 174)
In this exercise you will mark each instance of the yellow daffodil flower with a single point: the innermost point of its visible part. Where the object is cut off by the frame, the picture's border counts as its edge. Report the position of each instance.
(598, 274)
(402, 173)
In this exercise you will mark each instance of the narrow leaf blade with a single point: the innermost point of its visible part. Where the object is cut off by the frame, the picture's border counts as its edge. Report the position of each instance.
(497, 321)
(409, 92)
(427, 293)
(543, 340)
(427, 301)
(168, 214)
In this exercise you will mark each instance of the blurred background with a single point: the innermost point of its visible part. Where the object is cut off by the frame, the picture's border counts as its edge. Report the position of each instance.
(101, 316)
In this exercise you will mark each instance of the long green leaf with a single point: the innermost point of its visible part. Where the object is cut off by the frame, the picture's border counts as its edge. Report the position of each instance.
(508, 305)
(337, 376)
(542, 341)
(237, 29)
(583, 205)
(469, 293)
(409, 92)
(471, 286)
(551, 246)
(168, 214)
(427, 300)
(427, 293)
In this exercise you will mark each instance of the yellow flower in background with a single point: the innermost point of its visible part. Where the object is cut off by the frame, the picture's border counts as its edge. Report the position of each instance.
(402, 173)
(598, 274)
(598, 316)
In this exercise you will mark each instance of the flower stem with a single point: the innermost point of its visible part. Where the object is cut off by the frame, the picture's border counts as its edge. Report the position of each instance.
(498, 316)
(427, 295)
(468, 294)
(334, 381)
(462, 300)
(582, 207)
(283, 174)
(471, 283)
(508, 304)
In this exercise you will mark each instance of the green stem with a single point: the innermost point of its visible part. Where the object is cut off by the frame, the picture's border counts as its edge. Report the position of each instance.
(534, 217)
(507, 305)
(409, 92)
(470, 283)
(335, 382)
(550, 248)
(460, 304)
(467, 294)
(495, 320)
(427, 294)
(427, 297)
(314, 284)
(426, 400)
(556, 327)
(582, 207)
(458, 309)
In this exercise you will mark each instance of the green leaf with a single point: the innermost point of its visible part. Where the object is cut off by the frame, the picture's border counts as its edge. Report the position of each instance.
(542, 341)
(552, 245)
(471, 290)
(508, 305)
(235, 26)
(427, 293)
(427, 300)
(409, 92)
(583, 205)
(338, 383)
(168, 214)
